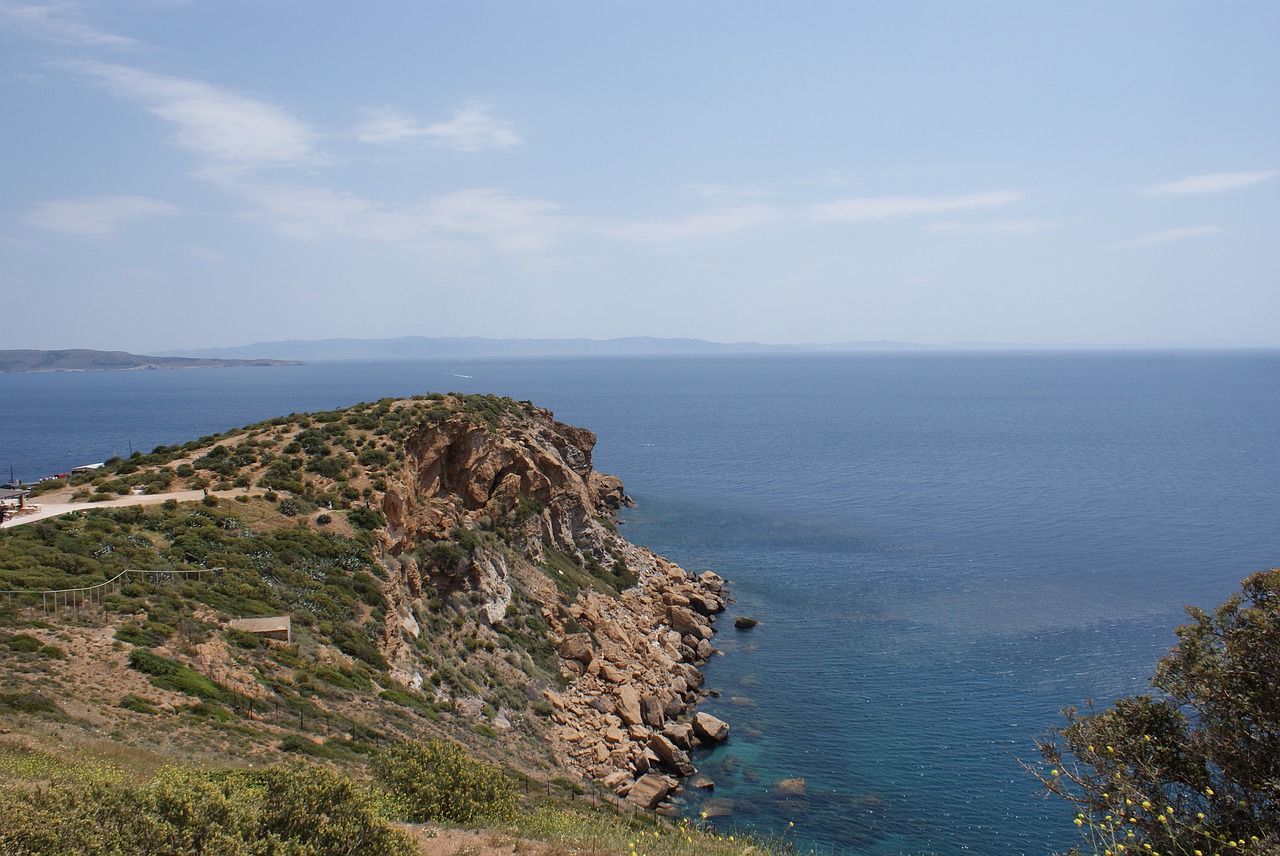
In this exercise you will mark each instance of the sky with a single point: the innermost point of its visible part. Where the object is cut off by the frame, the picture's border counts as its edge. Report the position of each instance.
(201, 174)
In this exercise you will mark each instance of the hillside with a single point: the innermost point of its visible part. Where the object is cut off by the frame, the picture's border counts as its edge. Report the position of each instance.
(450, 566)
(83, 360)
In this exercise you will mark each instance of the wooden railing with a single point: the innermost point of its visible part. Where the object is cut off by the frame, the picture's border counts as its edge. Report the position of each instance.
(74, 598)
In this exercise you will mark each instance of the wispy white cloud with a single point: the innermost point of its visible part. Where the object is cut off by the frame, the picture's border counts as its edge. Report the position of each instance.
(713, 223)
(890, 207)
(60, 22)
(509, 223)
(95, 215)
(213, 122)
(1215, 182)
(472, 128)
(1007, 226)
(1172, 235)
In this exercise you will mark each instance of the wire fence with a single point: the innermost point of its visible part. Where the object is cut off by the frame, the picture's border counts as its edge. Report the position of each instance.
(74, 598)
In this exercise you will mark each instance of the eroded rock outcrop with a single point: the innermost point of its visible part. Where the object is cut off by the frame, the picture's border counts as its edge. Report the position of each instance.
(507, 508)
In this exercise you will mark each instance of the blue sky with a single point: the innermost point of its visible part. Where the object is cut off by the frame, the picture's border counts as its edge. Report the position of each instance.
(191, 174)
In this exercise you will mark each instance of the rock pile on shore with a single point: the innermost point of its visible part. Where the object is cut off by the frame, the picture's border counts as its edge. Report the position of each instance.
(627, 718)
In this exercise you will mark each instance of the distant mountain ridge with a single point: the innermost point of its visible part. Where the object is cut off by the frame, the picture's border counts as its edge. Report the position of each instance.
(85, 360)
(420, 347)
(430, 347)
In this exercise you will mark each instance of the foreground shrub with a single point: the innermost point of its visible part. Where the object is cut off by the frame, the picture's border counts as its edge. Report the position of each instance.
(437, 781)
(1196, 767)
(284, 811)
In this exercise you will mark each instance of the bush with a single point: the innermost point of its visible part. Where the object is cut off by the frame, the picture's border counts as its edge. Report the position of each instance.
(281, 810)
(1196, 767)
(366, 518)
(23, 643)
(440, 783)
(245, 639)
(137, 705)
(151, 664)
(28, 703)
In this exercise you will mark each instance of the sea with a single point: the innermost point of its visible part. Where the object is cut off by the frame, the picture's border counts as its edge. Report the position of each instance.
(943, 549)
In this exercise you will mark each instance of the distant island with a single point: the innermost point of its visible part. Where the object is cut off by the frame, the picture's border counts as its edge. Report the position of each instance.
(432, 347)
(435, 347)
(464, 347)
(84, 360)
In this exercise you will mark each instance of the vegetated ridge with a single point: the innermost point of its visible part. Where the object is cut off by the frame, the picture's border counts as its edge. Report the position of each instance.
(451, 567)
(83, 360)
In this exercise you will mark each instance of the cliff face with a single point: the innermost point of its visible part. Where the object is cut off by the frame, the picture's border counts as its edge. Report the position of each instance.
(510, 513)
(461, 472)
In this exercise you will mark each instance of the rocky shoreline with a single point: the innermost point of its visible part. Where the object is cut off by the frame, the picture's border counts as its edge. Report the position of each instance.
(628, 718)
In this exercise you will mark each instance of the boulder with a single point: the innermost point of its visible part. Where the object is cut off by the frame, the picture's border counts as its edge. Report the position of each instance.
(743, 622)
(613, 674)
(618, 781)
(789, 787)
(628, 707)
(711, 581)
(577, 647)
(651, 712)
(672, 757)
(684, 621)
(710, 728)
(650, 790)
(706, 604)
(692, 677)
(702, 782)
(680, 733)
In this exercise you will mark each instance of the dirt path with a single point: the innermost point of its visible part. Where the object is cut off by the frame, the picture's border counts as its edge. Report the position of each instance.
(53, 509)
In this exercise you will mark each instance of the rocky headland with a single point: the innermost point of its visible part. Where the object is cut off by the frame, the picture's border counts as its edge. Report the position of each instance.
(451, 565)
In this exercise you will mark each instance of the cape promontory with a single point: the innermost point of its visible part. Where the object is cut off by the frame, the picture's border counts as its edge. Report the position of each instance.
(85, 360)
(323, 582)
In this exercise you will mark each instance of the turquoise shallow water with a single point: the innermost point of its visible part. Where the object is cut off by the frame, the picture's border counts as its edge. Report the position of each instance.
(943, 549)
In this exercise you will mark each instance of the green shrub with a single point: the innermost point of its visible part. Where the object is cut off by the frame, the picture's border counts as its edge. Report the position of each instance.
(188, 681)
(151, 664)
(296, 744)
(403, 699)
(245, 639)
(23, 643)
(28, 703)
(146, 634)
(53, 652)
(282, 810)
(137, 705)
(366, 518)
(438, 782)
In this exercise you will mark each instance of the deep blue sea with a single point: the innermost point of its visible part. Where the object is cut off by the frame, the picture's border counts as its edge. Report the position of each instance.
(943, 549)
